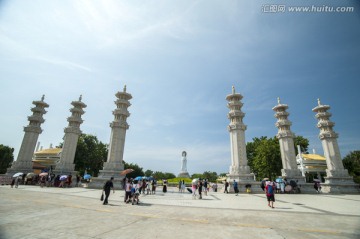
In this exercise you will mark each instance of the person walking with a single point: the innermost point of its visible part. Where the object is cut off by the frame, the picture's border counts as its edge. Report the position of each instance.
(236, 188)
(107, 188)
(226, 187)
(183, 186)
(128, 187)
(205, 187)
(270, 193)
(164, 186)
(153, 186)
(193, 188)
(200, 184)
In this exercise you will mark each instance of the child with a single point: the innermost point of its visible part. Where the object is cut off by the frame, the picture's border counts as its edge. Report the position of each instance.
(270, 193)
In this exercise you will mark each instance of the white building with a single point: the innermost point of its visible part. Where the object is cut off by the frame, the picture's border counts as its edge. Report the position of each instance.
(311, 166)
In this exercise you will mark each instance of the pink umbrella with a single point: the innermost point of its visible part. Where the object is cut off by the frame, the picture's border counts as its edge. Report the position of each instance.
(126, 171)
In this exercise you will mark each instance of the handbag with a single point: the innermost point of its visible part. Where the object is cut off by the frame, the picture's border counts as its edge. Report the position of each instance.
(102, 197)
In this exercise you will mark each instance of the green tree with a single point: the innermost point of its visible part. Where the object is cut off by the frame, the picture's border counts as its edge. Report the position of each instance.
(266, 158)
(138, 171)
(149, 173)
(303, 142)
(90, 155)
(352, 163)
(211, 176)
(158, 175)
(197, 175)
(250, 150)
(168, 175)
(6, 158)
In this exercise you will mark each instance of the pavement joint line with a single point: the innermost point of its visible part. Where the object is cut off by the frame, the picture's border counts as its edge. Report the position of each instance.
(337, 197)
(320, 210)
(252, 225)
(169, 218)
(320, 231)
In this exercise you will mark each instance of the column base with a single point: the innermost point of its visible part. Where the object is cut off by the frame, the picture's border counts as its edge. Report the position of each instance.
(339, 173)
(23, 167)
(340, 180)
(293, 174)
(110, 166)
(241, 178)
(65, 169)
(99, 182)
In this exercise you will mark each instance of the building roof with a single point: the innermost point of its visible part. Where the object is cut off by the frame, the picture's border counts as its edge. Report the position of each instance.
(312, 157)
(54, 151)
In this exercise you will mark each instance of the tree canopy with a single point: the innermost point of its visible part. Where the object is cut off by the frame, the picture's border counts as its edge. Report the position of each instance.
(264, 157)
(352, 163)
(90, 155)
(211, 176)
(138, 171)
(6, 158)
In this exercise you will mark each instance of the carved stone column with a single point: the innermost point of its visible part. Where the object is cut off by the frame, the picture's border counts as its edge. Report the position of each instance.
(24, 160)
(239, 169)
(286, 141)
(72, 133)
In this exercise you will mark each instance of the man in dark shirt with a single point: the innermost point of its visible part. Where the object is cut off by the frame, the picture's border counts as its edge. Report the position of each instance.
(107, 188)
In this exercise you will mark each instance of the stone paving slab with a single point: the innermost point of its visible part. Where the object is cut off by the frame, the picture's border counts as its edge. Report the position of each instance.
(34, 212)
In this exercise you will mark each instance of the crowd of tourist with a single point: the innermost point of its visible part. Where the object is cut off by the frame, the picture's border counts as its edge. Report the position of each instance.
(45, 180)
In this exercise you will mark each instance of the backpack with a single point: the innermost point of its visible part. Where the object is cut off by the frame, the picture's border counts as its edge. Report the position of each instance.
(270, 190)
(107, 185)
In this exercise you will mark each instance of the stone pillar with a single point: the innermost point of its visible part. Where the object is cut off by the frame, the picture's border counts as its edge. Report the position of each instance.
(286, 141)
(335, 170)
(239, 169)
(72, 132)
(24, 160)
(183, 171)
(115, 164)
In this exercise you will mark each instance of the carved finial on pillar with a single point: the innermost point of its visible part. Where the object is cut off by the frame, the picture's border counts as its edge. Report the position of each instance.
(278, 99)
(124, 88)
(43, 97)
(233, 89)
(318, 101)
(80, 98)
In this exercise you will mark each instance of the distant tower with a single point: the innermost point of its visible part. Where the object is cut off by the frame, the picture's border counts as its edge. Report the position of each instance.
(24, 160)
(115, 163)
(183, 171)
(239, 169)
(72, 133)
(335, 170)
(286, 141)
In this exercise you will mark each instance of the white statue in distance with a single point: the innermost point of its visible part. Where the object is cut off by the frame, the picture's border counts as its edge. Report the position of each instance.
(183, 163)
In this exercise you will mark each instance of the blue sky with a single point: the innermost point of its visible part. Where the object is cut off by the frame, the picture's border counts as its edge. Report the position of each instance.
(179, 60)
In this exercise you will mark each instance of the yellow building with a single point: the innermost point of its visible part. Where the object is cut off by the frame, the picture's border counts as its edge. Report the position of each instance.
(311, 166)
(45, 159)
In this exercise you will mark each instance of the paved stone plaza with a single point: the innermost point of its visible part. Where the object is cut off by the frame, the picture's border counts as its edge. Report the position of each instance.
(34, 212)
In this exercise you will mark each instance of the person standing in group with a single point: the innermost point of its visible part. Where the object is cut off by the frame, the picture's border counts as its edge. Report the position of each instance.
(164, 186)
(107, 188)
(226, 187)
(214, 187)
(236, 188)
(205, 186)
(128, 187)
(17, 182)
(183, 186)
(270, 193)
(193, 188)
(200, 187)
(153, 186)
